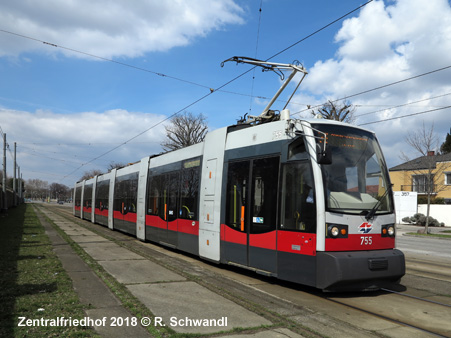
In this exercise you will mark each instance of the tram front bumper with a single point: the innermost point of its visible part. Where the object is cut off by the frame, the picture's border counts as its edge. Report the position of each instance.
(358, 270)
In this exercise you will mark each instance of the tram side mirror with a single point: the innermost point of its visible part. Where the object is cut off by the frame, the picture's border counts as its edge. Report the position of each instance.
(323, 157)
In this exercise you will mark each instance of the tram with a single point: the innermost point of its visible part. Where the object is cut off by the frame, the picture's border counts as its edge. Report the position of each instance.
(304, 201)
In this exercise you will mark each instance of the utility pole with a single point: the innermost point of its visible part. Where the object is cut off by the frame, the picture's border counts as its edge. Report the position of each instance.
(19, 186)
(14, 179)
(5, 203)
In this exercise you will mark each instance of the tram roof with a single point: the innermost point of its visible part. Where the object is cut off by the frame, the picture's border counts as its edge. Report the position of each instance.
(338, 123)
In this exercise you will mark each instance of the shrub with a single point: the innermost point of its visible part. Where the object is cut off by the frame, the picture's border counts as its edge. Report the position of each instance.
(438, 200)
(420, 219)
(424, 200)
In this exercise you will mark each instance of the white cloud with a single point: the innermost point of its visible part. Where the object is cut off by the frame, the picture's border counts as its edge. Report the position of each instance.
(366, 31)
(59, 143)
(386, 43)
(112, 28)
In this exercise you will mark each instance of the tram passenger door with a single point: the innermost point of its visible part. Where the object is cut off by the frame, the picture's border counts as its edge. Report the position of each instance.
(251, 209)
(171, 208)
(162, 208)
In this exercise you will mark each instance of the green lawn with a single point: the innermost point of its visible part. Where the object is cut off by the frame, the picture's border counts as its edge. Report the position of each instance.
(33, 283)
(429, 235)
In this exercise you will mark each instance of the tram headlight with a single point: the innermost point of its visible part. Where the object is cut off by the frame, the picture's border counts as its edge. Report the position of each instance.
(334, 231)
(391, 230)
(337, 231)
(388, 230)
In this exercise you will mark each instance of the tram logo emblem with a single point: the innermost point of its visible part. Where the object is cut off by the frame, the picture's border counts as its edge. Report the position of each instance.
(365, 228)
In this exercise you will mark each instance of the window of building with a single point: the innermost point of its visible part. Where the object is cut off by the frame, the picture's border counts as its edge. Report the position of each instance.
(423, 183)
(448, 178)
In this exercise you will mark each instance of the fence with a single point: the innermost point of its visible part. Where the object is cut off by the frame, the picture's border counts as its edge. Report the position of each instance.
(441, 212)
(405, 204)
(10, 201)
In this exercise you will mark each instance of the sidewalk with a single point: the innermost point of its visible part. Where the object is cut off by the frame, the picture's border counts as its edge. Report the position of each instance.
(182, 305)
(403, 229)
(90, 289)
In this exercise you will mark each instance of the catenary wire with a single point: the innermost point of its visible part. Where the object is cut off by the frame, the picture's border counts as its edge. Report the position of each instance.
(169, 76)
(220, 87)
(203, 97)
(104, 59)
(255, 56)
(175, 78)
(319, 30)
(377, 88)
(403, 105)
(404, 116)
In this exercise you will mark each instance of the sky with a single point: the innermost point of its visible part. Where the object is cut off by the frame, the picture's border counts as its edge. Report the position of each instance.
(87, 83)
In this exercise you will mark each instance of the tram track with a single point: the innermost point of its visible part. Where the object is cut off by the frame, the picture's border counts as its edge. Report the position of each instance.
(387, 318)
(404, 309)
(415, 297)
(429, 270)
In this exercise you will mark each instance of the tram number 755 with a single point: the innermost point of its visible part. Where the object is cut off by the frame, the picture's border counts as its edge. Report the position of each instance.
(366, 240)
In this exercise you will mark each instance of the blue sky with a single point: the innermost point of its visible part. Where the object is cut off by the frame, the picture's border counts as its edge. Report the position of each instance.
(65, 108)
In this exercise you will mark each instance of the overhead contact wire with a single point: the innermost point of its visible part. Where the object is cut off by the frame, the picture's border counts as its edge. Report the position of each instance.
(175, 78)
(255, 56)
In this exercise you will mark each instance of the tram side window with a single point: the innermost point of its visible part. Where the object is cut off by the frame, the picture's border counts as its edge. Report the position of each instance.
(87, 200)
(102, 192)
(78, 197)
(155, 198)
(297, 151)
(189, 194)
(170, 195)
(117, 203)
(298, 208)
(265, 173)
(130, 195)
(237, 184)
(125, 193)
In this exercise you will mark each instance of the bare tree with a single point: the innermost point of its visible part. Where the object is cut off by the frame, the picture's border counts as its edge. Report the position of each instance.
(59, 191)
(114, 165)
(425, 142)
(90, 174)
(185, 129)
(332, 110)
(36, 189)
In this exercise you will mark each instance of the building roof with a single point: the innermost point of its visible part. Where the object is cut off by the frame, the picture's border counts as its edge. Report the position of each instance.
(421, 162)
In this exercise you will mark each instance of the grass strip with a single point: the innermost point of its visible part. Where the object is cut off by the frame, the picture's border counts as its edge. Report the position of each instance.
(128, 300)
(429, 235)
(33, 283)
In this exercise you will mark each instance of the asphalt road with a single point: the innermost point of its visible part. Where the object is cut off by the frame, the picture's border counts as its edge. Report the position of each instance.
(428, 247)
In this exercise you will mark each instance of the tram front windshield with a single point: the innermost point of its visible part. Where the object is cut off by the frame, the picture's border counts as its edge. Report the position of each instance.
(356, 180)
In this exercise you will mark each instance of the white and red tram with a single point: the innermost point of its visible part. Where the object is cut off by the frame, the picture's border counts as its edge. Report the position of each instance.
(307, 202)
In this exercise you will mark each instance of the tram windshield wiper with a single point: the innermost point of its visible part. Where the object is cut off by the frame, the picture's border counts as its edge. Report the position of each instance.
(370, 214)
